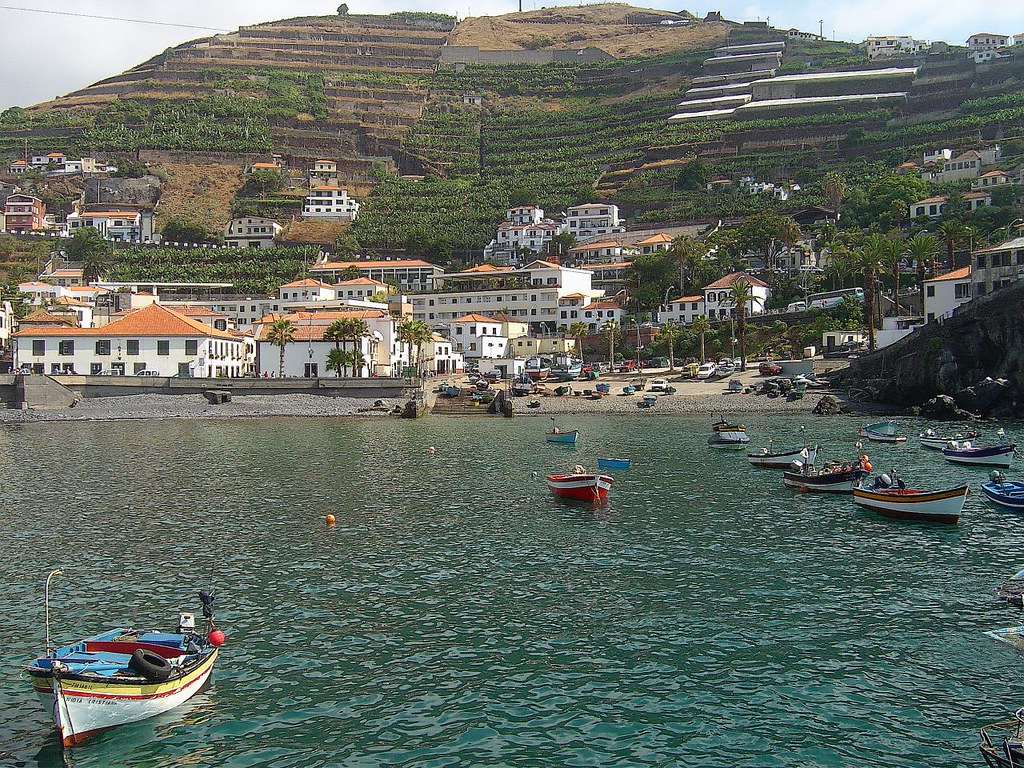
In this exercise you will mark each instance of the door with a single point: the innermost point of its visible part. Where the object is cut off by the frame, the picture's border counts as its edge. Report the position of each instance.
(119, 367)
(312, 370)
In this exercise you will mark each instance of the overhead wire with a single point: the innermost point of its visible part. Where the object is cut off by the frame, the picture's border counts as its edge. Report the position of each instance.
(111, 18)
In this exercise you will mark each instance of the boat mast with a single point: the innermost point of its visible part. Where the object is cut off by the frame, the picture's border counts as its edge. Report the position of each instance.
(46, 605)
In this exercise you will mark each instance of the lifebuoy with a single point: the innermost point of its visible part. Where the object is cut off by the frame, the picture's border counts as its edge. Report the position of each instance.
(150, 665)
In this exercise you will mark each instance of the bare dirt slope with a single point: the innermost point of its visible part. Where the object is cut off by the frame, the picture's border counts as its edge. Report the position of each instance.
(199, 193)
(615, 28)
(313, 231)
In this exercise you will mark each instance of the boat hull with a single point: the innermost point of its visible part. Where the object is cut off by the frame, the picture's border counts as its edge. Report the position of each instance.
(936, 507)
(828, 482)
(613, 463)
(589, 488)
(81, 708)
(997, 456)
(1009, 495)
(880, 437)
(935, 443)
(729, 440)
(783, 459)
(563, 438)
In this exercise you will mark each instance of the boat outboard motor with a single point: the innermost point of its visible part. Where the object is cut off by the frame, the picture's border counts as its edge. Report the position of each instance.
(206, 596)
(883, 481)
(796, 465)
(997, 476)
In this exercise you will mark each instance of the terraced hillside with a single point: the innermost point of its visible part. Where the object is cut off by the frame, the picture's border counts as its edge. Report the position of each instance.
(552, 107)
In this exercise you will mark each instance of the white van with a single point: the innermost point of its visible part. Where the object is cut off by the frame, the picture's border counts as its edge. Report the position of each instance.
(797, 306)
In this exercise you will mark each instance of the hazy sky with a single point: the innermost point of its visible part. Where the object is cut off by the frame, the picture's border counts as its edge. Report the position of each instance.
(56, 54)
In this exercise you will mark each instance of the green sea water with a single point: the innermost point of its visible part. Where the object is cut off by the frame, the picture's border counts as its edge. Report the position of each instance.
(459, 615)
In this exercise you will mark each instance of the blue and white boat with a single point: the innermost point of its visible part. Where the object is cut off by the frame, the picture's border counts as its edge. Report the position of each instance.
(991, 456)
(565, 368)
(1005, 493)
(613, 463)
(882, 432)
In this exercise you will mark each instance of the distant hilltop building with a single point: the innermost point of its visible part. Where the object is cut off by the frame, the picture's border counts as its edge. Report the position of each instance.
(883, 46)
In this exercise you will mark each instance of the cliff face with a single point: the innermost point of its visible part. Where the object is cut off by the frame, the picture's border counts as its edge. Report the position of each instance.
(983, 340)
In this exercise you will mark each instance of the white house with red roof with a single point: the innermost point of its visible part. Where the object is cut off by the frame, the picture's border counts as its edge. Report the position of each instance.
(987, 41)
(932, 207)
(154, 338)
(306, 289)
(18, 167)
(991, 180)
(384, 354)
(683, 310)
(360, 288)
(944, 293)
(53, 158)
(525, 228)
(478, 336)
(655, 243)
(718, 303)
(329, 201)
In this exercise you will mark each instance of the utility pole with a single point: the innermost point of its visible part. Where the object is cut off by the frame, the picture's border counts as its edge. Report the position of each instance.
(821, 28)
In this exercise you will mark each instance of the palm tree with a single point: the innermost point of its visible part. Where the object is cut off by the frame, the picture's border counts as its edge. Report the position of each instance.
(282, 332)
(922, 248)
(953, 233)
(687, 253)
(866, 260)
(838, 266)
(89, 248)
(415, 333)
(668, 334)
(790, 232)
(741, 296)
(335, 332)
(702, 326)
(611, 328)
(356, 330)
(834, 188)
(358, 361)
(890, 256)
(579, 331)
(337, 361)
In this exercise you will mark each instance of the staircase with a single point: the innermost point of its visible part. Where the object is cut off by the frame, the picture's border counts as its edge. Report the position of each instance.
(461, 405)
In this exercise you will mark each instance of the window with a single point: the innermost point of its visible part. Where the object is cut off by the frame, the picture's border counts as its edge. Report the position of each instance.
(103, 347)
(191, 346)
(138, 367)
(930, 291)
(962, 291)
(66, 347)
(132, 347)
(38, 346)
(95, 368)
(163, 347)
(982, 262)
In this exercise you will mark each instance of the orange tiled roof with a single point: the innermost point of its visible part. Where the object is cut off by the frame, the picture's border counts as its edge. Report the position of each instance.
(661, 237)
(306, 282)
(154, 320)
(475, 318)
(372, 264)
(929, 200)
(684, 299)
(730, 279)
(487, 268)
(591, 246)
(361, 281)
(42, 317)
(957, 274)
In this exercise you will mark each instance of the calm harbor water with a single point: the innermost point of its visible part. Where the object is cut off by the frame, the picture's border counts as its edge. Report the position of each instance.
(457, 614)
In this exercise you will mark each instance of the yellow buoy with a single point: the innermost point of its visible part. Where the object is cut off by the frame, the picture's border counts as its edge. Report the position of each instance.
(329, 519)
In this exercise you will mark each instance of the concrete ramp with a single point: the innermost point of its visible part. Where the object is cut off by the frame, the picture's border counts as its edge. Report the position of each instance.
(40, 392)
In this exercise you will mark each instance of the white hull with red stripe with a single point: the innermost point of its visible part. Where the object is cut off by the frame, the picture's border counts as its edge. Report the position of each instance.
(82, 709)
(581, 487)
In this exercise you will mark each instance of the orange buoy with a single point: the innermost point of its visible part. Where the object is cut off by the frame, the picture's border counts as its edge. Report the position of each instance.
(863, 458)
(329, 519)
(867, 465)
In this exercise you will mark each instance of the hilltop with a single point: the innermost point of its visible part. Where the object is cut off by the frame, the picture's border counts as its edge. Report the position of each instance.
(442, 125)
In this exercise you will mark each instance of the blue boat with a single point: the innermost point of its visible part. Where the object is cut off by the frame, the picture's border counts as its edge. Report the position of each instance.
(564, 438)
(1009, 494)
(993, 456)
(613, 463)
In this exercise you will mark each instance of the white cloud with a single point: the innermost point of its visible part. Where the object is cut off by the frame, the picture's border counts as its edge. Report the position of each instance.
(58, 54)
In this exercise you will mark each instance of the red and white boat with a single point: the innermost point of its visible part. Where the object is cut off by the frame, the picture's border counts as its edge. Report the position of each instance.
(581, 487)
(910, 504)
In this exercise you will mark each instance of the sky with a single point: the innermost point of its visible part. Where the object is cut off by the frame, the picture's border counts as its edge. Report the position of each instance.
(61, 53)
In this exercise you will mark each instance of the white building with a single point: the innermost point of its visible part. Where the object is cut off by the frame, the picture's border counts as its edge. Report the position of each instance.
(529, 293)
(991, 180)
(306, 289)
(18, 167)
(125, 226)
(329, 202)
(478, 336)
(945, 293)
(683, 310)
(306, 356)
(360, 288)
(251, 232)
(986, 41)
(404, 274)
(602, 252)
(7, 319)
(54, 158)
(718, 303)
(882, 46)
(440, 356)
(154, 338)
(655, 243)
(592, 220)
(581, 308)
(932, 207)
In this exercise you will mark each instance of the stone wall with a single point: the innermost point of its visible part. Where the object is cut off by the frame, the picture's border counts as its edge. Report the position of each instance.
(471, 54)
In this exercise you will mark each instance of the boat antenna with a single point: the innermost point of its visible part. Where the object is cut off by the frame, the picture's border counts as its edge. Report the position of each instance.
(46, 605)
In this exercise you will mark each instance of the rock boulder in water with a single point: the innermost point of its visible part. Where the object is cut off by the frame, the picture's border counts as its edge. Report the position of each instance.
(829, 406)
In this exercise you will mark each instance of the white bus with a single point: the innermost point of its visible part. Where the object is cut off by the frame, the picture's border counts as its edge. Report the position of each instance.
(830, 299)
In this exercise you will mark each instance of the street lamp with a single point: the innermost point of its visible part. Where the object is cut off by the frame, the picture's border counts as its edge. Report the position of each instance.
(1019, 223)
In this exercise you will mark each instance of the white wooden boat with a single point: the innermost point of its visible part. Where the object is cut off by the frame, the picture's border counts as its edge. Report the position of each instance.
(929, 439)
(581, 486)
(910, 504)
(767, 457)
(990, 456)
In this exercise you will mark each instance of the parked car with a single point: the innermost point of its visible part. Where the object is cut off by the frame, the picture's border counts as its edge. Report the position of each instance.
(110, 372)
(726, 367)
(627, 366)
(148, 372)
(690, 370)
(658, 385)
(707, 370)
(768, 368)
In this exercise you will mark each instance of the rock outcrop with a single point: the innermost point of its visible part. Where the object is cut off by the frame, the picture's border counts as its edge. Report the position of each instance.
(829, 406)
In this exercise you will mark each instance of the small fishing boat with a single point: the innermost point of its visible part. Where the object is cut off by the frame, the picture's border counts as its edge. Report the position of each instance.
(1012, 590)
(522, 385)
(565, 438)
(1002, 744)
(1005, 493)
(124, 675)
(538, 368)
(613, 463)
(882, 432)
(992, 456)
(728, 437)
(888, 496)
(833, 477)
(783, 459)
(580, 486)
(603, 389)
(450, 391)
(565, 368)
(629, 389)
(929, 439)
